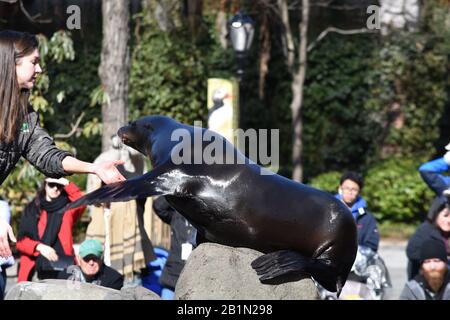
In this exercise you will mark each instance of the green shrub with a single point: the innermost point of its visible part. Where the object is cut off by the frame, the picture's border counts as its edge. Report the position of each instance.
(328, 181)
(396, 230)
(395, 191)
(167, 77)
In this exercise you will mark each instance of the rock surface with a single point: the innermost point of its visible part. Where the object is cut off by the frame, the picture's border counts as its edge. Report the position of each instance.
(216, 272)
(68, 290)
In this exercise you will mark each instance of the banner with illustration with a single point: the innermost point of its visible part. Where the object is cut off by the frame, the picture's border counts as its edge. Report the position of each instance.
(223, 107)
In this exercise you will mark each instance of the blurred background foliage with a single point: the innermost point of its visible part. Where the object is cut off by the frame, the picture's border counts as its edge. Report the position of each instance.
(372, 103)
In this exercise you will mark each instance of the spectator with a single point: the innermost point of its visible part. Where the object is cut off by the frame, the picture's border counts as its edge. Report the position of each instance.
(5, 215)
(349, 192)
(92, 269)
(436, 226)
(45, 232)
(120, 225)
(433, 280)
(116, 226)
(431, 173)
(182, 235)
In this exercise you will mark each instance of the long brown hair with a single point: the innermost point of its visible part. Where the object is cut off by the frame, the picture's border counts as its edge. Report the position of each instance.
(14, 45)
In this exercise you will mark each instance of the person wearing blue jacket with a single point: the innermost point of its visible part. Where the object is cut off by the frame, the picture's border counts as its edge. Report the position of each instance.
(349, 192)
(437, 223)
(432, 173)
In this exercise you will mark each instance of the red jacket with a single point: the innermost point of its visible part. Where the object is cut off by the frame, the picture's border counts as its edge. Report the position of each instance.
(27, 246)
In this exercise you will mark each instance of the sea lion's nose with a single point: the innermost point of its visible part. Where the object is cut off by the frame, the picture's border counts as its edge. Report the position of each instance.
(122, 131)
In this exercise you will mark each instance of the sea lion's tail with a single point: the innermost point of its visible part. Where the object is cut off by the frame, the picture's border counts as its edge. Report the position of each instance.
(288, 263)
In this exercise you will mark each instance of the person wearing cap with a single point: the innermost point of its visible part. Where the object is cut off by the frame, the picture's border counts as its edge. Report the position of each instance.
(45, 231)
(432, 174)
(120, 225)
(91, 268)
(433, 280)
(435, 227)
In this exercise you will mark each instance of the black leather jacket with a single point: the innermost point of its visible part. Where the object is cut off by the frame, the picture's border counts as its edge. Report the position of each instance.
(35, 145)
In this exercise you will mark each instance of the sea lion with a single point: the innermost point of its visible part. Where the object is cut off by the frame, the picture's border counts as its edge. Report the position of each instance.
(300, 229)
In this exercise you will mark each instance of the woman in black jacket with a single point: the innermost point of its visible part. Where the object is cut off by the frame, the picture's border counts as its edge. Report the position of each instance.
(435, 227)
(20, 133)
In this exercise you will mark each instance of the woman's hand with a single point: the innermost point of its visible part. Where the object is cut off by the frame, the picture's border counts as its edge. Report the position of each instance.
(5, 231)
(108, 172)
(47, 252)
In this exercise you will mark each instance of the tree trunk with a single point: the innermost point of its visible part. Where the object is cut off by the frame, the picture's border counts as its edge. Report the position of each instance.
(264, 56)
(287, 39)
(297, 95)
(163, 15)
(194, 12)
(221, 24)
(114, 66)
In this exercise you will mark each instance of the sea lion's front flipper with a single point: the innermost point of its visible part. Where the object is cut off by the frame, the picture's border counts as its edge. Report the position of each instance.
(139, 187)
(289, 263)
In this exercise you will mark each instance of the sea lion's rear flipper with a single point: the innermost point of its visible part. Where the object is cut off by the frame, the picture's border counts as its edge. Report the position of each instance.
(288, 263)
(139, 187)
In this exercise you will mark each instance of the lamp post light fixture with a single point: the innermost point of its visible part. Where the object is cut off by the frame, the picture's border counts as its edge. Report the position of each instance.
(242, 30)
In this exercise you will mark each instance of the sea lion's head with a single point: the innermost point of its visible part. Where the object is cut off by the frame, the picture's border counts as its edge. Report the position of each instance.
(135, 135)
(150, 135)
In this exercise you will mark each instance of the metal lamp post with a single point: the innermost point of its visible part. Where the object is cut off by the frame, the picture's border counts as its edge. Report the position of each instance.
(242, 30)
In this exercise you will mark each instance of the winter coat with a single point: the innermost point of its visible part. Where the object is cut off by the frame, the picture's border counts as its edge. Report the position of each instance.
(106, 277)
(366, 224)
(34, 144)
(424, 232)
(431, 174)
(417, 289)
(27, 246)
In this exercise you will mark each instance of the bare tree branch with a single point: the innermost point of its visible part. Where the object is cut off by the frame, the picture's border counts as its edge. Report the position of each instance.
(32, 19)
(327, 4)
(72, 132)
(324, 33)
(340, 7)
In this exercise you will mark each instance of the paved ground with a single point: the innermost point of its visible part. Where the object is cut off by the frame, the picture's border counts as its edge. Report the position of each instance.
(394, 256)
(392, 252)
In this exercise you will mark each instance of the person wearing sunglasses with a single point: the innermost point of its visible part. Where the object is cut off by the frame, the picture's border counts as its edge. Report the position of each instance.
(45, 239)
(91, 268)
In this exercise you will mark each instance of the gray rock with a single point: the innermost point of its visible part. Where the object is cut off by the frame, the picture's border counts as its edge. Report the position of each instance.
(215, 272)
(53, 289)
(138, 293)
